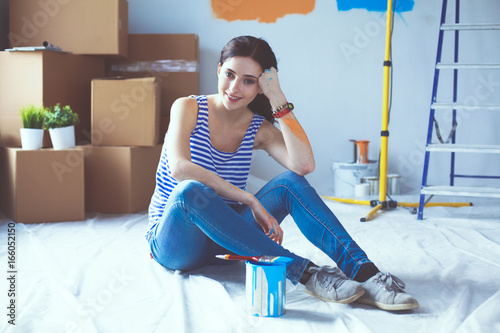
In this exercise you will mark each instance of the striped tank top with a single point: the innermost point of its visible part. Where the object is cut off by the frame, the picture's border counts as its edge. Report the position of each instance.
(232, 167)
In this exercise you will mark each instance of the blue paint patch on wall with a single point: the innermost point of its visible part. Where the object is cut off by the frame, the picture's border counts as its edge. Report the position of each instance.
(375, 5)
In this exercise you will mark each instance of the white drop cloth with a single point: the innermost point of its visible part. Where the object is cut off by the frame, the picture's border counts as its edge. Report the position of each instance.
(97, 276)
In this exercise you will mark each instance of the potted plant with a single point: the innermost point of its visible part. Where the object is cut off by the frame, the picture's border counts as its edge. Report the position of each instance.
(61, 121)
(32, 131)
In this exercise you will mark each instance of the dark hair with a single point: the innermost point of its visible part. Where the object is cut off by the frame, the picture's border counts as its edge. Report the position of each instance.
(260, 51)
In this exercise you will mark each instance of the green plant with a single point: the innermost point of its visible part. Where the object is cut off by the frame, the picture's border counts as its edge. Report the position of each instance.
(60, 117)
(33, 115)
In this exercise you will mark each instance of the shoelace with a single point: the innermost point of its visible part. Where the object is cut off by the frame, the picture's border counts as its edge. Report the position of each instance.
(332, 278)
(392, 282)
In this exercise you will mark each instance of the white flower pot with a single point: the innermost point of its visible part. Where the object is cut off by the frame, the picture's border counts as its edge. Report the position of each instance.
(31, 138)
(63, 137)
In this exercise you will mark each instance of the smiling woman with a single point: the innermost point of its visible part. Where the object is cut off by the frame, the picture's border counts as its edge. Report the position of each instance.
(200, 208)
(263, 10)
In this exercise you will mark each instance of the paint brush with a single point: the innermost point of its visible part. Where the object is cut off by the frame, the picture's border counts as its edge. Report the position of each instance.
(259, 259)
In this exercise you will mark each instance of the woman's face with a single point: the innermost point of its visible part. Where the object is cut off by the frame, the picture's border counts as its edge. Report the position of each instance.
(238, 81)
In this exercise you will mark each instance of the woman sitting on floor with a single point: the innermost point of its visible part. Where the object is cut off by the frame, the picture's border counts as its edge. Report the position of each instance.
(200, 207)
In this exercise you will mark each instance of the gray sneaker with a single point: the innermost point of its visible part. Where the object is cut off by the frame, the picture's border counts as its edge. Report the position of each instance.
(331, 285)
(386, 292)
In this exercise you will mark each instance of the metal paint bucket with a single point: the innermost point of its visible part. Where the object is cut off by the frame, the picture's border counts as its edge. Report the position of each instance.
(393, 184)
(346, 175)
(265, 289)
(374, 184)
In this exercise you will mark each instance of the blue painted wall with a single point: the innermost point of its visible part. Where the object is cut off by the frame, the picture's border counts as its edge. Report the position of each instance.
(375, 5)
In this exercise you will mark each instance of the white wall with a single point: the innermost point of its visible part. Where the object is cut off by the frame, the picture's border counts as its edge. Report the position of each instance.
(337, 94)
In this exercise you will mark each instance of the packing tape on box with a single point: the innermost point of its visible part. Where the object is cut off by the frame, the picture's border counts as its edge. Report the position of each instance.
(175, 65)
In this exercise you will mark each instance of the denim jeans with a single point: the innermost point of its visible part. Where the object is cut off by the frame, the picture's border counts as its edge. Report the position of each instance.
(197, 224)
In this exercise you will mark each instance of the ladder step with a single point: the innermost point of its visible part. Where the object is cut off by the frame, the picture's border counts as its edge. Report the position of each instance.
(471, 26)
(485, 192)
(450, 106)
(467, 66)
(463, 148)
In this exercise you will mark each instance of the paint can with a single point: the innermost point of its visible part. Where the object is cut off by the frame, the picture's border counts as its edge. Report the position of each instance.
(393, 184)
(362, 190)
(265, 289)
(346, 175)
(373, 184)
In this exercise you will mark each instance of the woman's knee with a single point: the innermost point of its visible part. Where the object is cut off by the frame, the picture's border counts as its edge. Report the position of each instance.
(291, 178)
(196, 193)
(186, 186)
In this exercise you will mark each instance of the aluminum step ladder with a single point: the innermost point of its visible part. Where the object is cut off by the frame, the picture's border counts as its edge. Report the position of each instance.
(450, 146)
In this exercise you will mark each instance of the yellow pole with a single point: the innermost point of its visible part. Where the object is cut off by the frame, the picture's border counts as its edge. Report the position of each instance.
(351, 201)
(403, 204)
(385, 108)
(371, 213)
(384, 135)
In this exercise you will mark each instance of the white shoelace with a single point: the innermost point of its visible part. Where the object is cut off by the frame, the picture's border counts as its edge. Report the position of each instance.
(391, 282)
(332, 279)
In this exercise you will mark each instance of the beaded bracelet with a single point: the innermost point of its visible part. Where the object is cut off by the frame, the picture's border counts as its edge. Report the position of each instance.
(281, 113)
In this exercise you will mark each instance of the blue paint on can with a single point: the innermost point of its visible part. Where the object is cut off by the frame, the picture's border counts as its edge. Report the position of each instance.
(265, 289)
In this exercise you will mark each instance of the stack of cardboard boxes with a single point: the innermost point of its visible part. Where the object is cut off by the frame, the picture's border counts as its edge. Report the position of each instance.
(123, 119)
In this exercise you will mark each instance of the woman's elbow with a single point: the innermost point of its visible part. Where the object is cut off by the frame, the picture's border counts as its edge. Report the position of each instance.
(306, 168)
(177, 171)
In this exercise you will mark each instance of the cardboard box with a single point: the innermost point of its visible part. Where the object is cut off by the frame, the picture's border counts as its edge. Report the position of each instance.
(125, 112)
(45, 77)
(93, 27)
(120, 180)
(42, 185)
(171, 58)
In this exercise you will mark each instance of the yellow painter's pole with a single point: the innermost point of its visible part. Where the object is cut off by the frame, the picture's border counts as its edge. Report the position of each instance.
(402, 204)
(384, 135)
(384, 139)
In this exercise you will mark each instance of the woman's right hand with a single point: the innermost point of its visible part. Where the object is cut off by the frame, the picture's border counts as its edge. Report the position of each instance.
(268, 223)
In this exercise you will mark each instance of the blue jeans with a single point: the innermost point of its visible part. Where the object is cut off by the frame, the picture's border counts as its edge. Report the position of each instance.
(197, 224)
